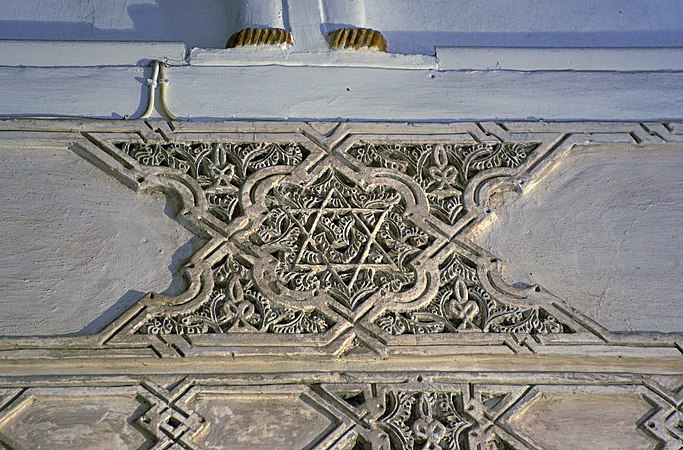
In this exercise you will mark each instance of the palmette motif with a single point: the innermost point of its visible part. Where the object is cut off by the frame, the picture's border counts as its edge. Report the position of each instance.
(442, 170)
(236, 305)
(425, 420)
(462, 303)
(220, 168)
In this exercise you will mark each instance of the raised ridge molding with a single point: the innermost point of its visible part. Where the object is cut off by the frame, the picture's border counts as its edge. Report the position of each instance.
(289, 57)
(349, 93)
(43, 53)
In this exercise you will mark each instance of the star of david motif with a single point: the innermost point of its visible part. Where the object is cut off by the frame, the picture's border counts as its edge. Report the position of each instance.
(331, 235)
(313, 243)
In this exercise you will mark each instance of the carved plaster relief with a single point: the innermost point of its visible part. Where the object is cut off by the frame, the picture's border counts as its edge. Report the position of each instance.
(392, 411)
(340, 302)
(341, 244)
(346, 237)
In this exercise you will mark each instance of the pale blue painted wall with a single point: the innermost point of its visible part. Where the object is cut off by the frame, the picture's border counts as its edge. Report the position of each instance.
(411, 26)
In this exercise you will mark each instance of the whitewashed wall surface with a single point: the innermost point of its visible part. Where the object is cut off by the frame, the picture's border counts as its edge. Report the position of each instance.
(469, 241)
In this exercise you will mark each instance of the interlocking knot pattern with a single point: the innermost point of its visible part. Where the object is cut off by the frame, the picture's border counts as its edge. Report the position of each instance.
(330, 235)
(318, 242)
(338, 300)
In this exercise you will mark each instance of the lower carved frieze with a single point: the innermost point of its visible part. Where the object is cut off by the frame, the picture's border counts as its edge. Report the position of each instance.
(344, 411)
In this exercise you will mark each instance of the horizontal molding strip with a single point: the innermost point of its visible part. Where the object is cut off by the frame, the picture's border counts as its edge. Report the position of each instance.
(544, 59)
(87, 53)
(45, 53)
(343, 93)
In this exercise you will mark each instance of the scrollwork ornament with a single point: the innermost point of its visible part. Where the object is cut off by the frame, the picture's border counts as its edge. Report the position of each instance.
(220, 168)
(425, 420)
(236, 305)
(462, 303)
(442, 170)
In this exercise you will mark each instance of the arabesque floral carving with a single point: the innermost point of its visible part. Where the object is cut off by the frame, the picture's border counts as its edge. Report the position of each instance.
(346, 236)
(425, 420)
(331, 235)
(236, 305)
(220, 168)
(462, 303)
(442, 170)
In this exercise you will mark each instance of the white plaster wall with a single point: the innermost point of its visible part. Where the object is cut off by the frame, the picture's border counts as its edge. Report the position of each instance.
(603, 233)
(324, 93)
(263, 84)
(416, 26)
(77, 248)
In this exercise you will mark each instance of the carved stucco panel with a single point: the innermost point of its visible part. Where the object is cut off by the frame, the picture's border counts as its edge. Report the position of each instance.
(321, 241)
(348, 237)
(340, 300)
(391, 411)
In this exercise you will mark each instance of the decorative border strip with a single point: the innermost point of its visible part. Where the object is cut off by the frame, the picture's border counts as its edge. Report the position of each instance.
(384, 410)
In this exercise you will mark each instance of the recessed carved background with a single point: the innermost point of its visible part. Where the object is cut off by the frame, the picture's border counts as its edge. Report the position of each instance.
(319, 242)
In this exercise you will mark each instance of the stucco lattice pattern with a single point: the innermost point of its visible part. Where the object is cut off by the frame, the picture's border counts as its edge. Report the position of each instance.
(334, 241)
(379, 412)
(442, 170)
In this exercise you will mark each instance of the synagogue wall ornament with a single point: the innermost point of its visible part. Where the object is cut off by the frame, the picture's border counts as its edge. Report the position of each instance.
(325, 240)
(338, 303)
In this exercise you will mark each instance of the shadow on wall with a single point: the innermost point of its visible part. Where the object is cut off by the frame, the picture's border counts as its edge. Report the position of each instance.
(205, 23)
(178, 285)
(424, 42)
